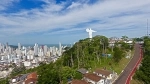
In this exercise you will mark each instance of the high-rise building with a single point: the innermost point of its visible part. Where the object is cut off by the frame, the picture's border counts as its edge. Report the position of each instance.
(10, 50)
(19, 46)
(7, 47)
(36, 49)
(45, 49)
(3, 48)
(25, 50)
(40, 52)
(19, 49)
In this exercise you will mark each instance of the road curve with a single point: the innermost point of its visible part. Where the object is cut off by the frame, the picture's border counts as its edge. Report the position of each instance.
(124, 77)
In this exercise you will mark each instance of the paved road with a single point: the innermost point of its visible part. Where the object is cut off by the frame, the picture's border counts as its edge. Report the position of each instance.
(128, 69)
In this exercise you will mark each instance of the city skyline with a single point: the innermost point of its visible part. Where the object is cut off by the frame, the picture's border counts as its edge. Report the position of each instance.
(65, 21)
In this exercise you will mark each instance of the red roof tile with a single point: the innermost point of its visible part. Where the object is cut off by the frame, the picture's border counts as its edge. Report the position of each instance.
(103, 72)
(32, 75)
(93, 77)
(78, 82)
(31, 81)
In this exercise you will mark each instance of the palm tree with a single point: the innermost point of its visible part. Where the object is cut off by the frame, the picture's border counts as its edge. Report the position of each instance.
(124, 38)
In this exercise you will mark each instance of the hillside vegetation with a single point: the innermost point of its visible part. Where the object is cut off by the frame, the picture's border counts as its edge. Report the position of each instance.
(86, 53)
(143, 74)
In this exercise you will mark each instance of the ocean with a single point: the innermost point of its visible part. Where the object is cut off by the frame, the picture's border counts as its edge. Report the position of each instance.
(48, 45)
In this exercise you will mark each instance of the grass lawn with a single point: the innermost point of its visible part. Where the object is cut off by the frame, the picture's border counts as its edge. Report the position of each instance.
(109, 64)
(122, 64)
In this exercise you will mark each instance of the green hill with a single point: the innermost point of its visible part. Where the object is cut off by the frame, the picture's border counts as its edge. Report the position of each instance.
(86, 53)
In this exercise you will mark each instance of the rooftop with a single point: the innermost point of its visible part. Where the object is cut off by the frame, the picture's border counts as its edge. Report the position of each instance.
(82, 70)
(93, 77)
(31, 81)
(78, 82)
(32, 75)
(103, 72)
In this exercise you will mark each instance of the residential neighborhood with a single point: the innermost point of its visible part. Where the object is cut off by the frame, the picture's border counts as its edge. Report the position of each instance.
(30, 78)
(99, 76)
(29, 57)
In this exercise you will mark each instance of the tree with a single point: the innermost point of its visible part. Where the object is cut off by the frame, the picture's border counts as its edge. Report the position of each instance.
(143, 74)
(66, 73)
(125, 46)
(4, 81)
(118, 54)
(124, 38)
(17, 70)
(147, 46)
(138, 39)
(48, 74)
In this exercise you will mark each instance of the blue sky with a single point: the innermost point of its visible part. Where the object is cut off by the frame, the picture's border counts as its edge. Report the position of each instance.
(54, 21)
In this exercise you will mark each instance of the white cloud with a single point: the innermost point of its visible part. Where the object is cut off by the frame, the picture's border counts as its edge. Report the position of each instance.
(114, 13)
(74, 5)
(6, 3)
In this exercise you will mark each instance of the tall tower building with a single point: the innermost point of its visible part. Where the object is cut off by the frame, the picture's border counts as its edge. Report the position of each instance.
(9, 50)
(3, 48)
(19, 49)
(19, 46)
(41, 52)
(7, 47)
(45, 49)
(25, 50)
(36, 49)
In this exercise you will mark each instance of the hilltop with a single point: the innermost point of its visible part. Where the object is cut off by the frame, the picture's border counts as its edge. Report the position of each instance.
(89, 54)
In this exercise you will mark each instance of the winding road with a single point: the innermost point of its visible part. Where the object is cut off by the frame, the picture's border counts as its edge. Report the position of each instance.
(129, 70)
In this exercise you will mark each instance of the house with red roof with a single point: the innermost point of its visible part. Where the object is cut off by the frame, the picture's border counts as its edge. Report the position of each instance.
(93, 78)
